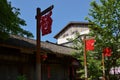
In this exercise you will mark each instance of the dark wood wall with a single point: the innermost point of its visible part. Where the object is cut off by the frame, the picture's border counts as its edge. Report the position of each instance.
(13, 63)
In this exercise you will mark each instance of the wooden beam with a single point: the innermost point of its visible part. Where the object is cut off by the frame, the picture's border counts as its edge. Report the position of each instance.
(38, 58)
(85, 59)
(22, 49)
(47, 10)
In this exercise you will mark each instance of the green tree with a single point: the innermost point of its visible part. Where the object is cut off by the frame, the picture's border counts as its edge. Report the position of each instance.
(105, 17)
(94, 70)
(10, 22)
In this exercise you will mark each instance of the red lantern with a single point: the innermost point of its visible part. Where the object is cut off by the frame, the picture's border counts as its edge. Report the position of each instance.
(44, 56)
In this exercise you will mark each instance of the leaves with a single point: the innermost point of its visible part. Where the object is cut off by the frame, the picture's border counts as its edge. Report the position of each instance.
(106, 18)
(10, 22)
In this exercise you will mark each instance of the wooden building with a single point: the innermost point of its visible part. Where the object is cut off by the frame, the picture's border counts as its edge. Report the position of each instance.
(17, 57)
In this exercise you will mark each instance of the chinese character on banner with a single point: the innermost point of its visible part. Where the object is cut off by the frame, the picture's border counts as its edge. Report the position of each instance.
(107, 51)
(46, 23)
(89, 44)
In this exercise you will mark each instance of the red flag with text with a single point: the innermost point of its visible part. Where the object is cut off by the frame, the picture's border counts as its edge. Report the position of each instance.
(46, 23)
(89, 44)
(107, 51)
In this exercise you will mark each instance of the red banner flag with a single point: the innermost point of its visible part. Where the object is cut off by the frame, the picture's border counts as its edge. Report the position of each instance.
(46, 23)
(90, 44)
(107, 51)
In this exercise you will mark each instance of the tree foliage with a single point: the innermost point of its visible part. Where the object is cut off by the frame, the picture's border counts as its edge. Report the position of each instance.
(10, 22)
(105, 17)
(94, 69)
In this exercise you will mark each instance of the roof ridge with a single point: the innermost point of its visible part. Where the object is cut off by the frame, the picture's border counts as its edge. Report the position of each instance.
(58, 44)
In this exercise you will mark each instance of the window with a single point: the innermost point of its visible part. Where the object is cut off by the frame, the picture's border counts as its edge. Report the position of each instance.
(65, 35)
(74, 32)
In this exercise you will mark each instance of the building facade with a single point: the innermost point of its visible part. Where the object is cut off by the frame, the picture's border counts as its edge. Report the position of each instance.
(70, 30)
(18, 58)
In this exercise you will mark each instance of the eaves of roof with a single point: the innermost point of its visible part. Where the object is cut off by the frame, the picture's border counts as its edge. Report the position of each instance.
(69, 25)
(22, 42)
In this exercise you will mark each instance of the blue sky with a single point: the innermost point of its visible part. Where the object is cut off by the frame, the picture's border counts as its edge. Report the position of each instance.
(64, 11)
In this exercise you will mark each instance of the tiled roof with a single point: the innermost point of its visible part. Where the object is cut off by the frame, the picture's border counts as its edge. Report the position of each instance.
(22, 42)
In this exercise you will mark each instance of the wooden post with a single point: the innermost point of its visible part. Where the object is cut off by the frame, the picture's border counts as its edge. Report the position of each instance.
(103, 65)
(85, 58)
(38, 41)
(38, 58)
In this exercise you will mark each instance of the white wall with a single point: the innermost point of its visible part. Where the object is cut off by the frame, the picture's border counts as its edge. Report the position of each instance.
(64, 39)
